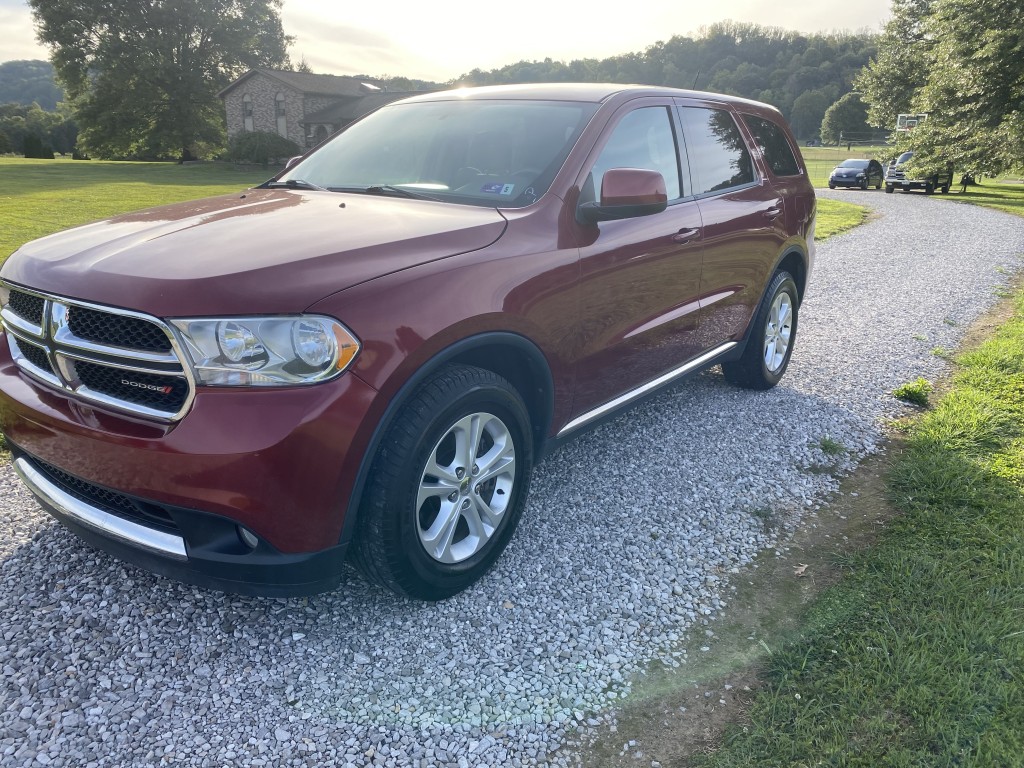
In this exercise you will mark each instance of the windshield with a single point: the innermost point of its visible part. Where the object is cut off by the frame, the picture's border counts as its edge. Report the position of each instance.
(855, 164)
(491, 153)
(904, 158)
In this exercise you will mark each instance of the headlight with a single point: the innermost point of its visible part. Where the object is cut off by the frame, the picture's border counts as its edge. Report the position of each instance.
(860, 175)
(266, 351)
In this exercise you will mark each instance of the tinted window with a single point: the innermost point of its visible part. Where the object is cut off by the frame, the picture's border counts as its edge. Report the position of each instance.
(774, 146)
(719, 158)
(861, 164)
(643, 139)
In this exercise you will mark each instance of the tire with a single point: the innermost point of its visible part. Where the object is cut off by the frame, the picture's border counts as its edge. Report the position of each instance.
(770, 344)
(831, 186)
(945, 189)
(427, 527)
(864, 184)
(929, 188)
(878, 185)
(889, 189)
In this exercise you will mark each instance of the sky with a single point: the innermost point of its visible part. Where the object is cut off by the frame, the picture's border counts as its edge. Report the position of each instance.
(444, 39)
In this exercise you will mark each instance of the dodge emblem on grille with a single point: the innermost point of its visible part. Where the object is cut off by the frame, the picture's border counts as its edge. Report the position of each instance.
(141, 385)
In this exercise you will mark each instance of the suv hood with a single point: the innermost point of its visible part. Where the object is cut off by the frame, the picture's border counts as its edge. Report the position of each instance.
(262, 252)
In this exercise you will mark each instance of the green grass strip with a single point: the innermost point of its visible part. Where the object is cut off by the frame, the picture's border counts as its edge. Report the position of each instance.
(835, 217)
(917, 657)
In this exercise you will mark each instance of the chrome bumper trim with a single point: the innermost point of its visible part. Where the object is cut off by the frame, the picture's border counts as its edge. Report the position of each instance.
(97, 519)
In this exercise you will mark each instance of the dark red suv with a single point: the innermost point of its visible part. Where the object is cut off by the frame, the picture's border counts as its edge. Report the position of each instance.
(368, 353)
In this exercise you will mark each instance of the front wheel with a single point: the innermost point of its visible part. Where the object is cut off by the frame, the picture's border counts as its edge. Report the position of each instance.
(770, 345)
(889, 189)
(447, 487)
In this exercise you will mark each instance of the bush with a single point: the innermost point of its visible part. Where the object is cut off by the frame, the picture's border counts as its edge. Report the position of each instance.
(34, 147)
(261, 147)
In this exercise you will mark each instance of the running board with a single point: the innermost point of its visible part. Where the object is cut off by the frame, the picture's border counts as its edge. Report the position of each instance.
(644, 389)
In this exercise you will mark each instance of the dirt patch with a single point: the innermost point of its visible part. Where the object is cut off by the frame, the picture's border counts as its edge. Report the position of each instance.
(672, 715)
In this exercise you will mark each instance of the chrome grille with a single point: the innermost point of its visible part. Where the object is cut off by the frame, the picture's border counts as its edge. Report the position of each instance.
(117, 330)
(125, 360)
(27, 306)
(36, 356)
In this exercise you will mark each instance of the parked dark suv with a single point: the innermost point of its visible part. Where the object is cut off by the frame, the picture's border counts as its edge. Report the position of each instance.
(369, 353)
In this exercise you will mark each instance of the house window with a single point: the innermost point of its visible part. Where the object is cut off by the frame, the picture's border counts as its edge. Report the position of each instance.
(282, 115)
(247, 112)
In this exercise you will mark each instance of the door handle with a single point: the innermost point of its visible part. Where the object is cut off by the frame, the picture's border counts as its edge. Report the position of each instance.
(773, 213)
(685, 235)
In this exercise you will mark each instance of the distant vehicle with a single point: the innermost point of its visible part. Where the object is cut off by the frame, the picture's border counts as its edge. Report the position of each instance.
(857, 173)
(895, 176)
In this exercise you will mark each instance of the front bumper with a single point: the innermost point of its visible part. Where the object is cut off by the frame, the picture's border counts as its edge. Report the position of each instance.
(845, 182)
(171, 497)
(200, 548)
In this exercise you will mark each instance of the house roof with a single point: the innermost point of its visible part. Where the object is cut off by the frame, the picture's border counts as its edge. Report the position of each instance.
(350, 109)
(309, 83)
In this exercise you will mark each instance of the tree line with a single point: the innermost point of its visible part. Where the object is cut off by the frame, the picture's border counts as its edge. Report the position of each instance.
(142, 77)
(802, 75)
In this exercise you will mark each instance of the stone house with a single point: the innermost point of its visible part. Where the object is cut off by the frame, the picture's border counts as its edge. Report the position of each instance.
(300, 106)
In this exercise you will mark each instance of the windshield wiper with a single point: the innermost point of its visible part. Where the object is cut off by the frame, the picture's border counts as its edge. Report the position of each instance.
(387, 191)
(295, 184)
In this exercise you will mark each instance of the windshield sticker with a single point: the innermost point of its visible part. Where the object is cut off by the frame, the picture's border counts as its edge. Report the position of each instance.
(498, 189)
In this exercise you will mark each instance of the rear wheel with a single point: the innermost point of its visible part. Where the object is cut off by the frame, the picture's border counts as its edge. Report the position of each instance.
(770, 345)
(447, 486)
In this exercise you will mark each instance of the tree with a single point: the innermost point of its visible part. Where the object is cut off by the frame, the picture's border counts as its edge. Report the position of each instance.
(969, 64)
(890, 81)
(808, 112)
(143, 75)
(846, 120)
(54, 129)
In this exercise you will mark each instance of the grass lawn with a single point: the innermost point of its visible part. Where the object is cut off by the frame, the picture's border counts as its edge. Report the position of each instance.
(917, 657)
(38, 197)
(835, 217)
(1003, 196)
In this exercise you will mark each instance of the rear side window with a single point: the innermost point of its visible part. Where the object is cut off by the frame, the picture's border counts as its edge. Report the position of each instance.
(719, 158)
(774, 146)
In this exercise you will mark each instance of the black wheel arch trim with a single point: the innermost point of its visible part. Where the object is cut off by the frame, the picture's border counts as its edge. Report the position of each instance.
(541, 408)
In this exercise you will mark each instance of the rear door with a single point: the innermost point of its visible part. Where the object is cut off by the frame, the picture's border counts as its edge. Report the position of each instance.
(743, 214)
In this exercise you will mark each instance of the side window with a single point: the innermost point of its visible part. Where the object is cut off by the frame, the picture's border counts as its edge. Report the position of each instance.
(719, 158)
(774, 146)
(643, 139)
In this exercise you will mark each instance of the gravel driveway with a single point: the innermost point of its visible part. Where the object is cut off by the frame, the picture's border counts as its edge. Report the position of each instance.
(628, 542)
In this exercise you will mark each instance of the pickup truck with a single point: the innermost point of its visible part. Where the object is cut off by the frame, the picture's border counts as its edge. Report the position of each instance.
(896, 176)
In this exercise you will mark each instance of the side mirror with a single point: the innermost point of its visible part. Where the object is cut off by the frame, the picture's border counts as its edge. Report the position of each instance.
(292, 161)
(627, 193)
